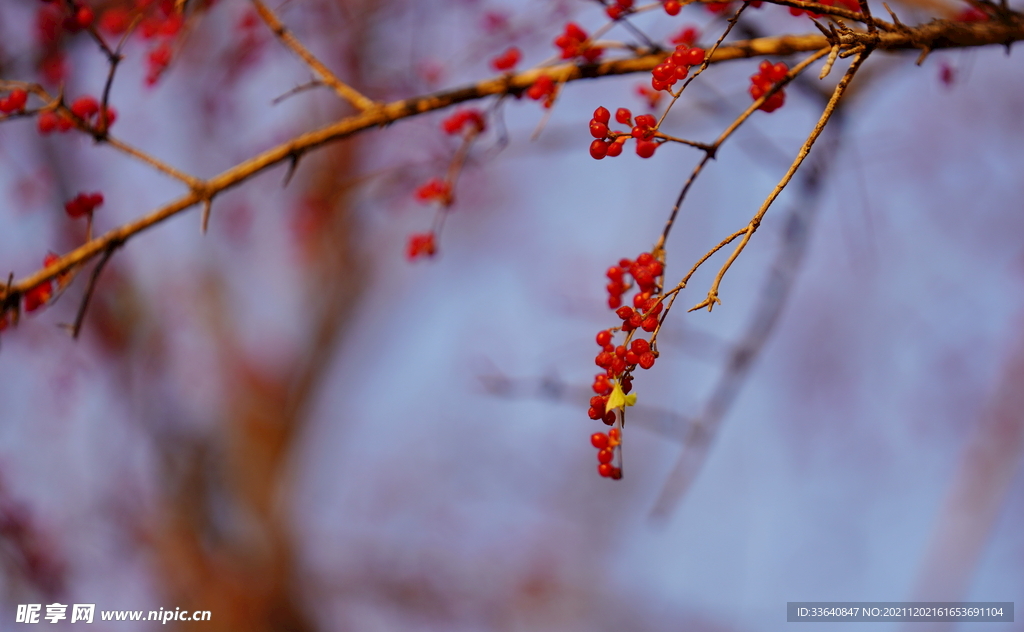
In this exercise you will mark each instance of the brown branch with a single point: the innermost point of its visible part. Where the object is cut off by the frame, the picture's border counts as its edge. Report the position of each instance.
(938, 34)
(345, 91)
(837, 94)
(710, 153)
(93, 278)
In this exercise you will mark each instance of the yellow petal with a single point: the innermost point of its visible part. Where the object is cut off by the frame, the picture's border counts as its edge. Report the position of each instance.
(617, 399)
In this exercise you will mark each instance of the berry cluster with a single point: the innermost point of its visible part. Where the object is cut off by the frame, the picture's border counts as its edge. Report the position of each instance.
(573, 43)
(609, 143)
(619, 8)
(542, 88)
(85, 108)
(619, 361)
(420, 245)
(687, 36)
(464, 121)
(675, 67)
(83, 204)
(14, 102)
(767, 76)
(653, 97)
(435, 190)
(50, 121)
(160, 23)
(41, 294)
(506, 61)
(606, 444)
(56, 18)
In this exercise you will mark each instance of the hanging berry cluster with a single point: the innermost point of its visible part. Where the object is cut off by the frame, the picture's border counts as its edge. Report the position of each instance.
(675, 67)
(606, 444)
(543, 88)
(468, 124)
(612, 388)
(609, 143)
(83, 204)
(574, 43)
(767, 76)
(507, 61)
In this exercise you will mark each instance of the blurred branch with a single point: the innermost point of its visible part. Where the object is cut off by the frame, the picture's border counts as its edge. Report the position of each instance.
(345, 91)
(934, 35)
(977, 493)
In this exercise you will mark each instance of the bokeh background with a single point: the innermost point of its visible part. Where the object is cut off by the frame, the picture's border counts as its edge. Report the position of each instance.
(287, 423)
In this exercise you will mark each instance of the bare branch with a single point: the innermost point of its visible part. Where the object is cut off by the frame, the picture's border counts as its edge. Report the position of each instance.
(345, 91)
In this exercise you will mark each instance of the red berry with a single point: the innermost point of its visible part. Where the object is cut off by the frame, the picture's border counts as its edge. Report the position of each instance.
(605, 455)
(614, 301)
(640, 346)
(85, 107)
(631, 358)
(624, 312)
(614, 436)
(602, 115)
(623, 116)
(17, 100)
(421, 245)
(595, 413)
(507, 60)
(603, 359)
(616, 474)
(605, 470)
(645, 148)
(598, 148)
(609, 418)
(604, 337)
(599, 440)
(672, 7)
(84, 16)
(647, 360)
(47, 122)
(620, 351)
(598, 129)
(650, 323)
(616, 147)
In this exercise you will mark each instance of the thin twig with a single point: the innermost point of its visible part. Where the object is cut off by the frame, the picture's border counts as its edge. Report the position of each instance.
(345, 91)
(80, 317)
(796, 70)
(837, 94)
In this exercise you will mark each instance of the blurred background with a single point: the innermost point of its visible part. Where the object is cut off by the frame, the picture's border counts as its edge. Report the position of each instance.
(287, 423)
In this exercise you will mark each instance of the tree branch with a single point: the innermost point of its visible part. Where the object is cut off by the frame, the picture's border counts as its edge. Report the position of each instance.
(935, 35)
